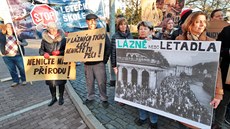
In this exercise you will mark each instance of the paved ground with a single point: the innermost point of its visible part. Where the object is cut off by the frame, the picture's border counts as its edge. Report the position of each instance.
(25, 107)
(115, 116)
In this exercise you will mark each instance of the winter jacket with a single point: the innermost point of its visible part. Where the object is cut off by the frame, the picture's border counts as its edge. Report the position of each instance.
(117, 35)
(204, 37)
(48, 45)
(176, 33)
(164, 35)
(224, 37)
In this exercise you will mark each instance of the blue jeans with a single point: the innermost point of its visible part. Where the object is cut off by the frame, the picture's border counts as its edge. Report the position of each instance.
(144, 115)
(12, 63)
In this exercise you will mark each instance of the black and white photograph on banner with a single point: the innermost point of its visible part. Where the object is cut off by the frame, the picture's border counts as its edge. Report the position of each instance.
(176, 80)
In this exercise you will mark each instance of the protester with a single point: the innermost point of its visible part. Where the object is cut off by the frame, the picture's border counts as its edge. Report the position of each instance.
(184, 14)
(217, 15)
(224, 37)
(53, 44)
(122, 33)
(12, 51)
(145, 32)
(96, 70)
(167, 29)
(194, 28)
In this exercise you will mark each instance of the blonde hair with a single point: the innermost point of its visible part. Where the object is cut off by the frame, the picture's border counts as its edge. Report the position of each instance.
(189, 22)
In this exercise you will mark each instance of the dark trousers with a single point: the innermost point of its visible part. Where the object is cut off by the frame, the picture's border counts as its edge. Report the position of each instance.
(92, 72)
(221, 109)
(53, 90)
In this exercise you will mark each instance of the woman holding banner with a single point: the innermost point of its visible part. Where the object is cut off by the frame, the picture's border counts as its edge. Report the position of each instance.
(145, 30)
(121, 33)
(12, 50)
(53, 44)
(194, 28)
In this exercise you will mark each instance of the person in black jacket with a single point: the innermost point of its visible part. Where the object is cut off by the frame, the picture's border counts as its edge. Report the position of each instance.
(121, 33)
(224, 37)
(12, 50)
(53, 43)
(96, 70)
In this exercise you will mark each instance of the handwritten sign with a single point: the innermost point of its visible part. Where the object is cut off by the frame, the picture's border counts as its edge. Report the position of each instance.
(54, 68)
(215, 27)
(85, 46)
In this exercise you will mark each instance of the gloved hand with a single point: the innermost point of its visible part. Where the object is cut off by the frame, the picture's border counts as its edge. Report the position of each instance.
(55, 53)
(46, 55)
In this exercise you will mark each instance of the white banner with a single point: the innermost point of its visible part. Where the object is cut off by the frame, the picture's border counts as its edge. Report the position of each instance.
(175, 79)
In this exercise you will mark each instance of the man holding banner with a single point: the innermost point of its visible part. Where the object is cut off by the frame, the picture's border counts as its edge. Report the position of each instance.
(12, 50)
(96, 70)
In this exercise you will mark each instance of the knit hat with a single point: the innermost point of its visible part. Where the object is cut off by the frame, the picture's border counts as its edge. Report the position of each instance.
(184, 14)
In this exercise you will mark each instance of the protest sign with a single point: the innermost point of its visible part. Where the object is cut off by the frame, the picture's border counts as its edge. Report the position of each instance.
(54, 68)
(172, 78)
(43, 14)
(155, 11)
(215, 27)
(30, 18)
(85, 46)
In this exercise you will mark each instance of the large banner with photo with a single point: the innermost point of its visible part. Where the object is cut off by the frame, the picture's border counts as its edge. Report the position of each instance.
(54, 68)
(156, 10)
(30, 18)
(175, 79)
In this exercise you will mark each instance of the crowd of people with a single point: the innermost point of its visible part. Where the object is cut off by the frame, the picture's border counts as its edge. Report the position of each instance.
(192, 26)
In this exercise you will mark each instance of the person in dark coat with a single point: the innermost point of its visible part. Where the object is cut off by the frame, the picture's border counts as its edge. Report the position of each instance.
(53, 44)
(121, 33)
(224, 37)
(96, 70)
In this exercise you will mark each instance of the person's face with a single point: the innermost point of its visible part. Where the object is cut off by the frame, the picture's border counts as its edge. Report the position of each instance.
(9, 29)
(218, 16)
(199, 25)
(92, 24)
(53, 31)
(123, 27)
(169, 25)
(143, 32)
